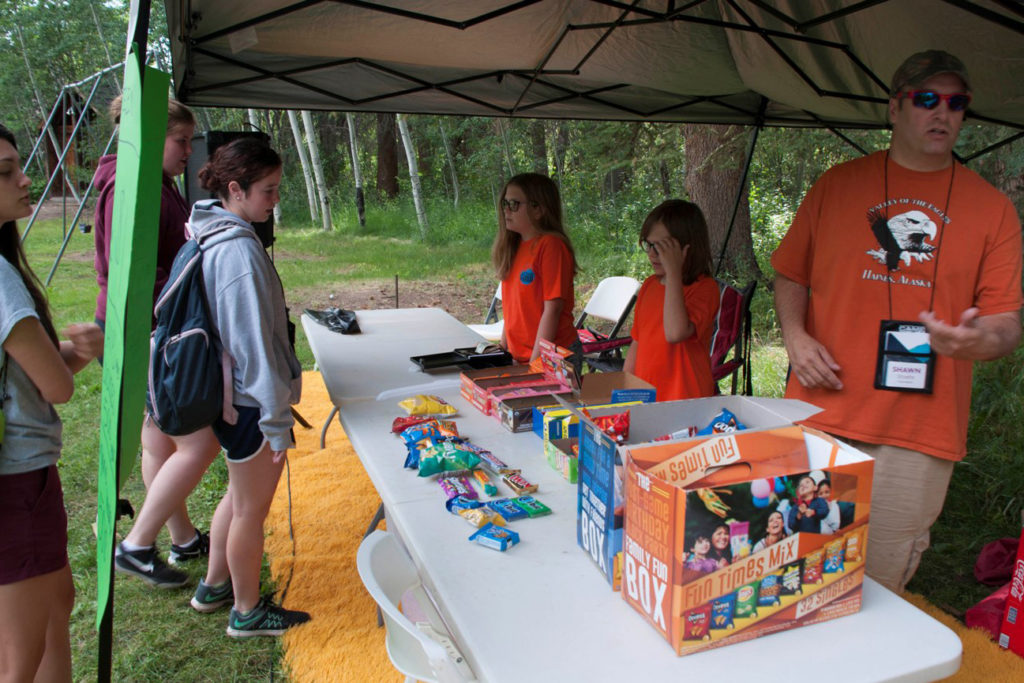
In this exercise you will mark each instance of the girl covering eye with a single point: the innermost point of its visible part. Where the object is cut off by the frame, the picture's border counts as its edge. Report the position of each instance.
(676, 306)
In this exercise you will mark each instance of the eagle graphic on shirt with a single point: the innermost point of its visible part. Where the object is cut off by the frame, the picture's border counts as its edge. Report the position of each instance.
(902, 237)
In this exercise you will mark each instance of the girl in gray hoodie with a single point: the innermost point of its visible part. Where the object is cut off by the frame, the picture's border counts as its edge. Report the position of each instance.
(247, 305)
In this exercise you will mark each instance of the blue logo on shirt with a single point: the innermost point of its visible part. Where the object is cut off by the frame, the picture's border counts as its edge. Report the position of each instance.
(527, 276)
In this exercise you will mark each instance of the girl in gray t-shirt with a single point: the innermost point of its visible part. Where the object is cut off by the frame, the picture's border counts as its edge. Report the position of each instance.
(36, 590)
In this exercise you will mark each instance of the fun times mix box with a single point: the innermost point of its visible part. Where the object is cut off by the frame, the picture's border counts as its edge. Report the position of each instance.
(735, 536)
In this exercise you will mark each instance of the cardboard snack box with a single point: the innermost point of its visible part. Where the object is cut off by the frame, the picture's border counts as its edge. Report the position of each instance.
(474, 383)
(600, 507)
(560, 456)
(1011, 632)
(718, 546)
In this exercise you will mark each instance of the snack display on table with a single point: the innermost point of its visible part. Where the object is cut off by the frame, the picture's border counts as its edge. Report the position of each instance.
(436, 449)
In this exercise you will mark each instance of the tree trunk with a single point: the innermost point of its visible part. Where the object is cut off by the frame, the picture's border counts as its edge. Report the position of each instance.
(414, 175)
(506, 151)
(356, 170)
(254, 123)
(561, 148)
(318, 171)
(539, 147)
(451, 164)
(387, 156)
(666, 179)
(715, 156)
(304, 161)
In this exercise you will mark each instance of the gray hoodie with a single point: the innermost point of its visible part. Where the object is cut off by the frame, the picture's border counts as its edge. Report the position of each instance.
(247, 304)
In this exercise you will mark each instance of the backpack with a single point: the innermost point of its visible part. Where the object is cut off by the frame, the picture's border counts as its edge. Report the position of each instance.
(186, 381)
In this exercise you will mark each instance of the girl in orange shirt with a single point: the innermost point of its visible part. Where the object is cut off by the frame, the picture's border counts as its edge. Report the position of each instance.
(676, 306)
(536, 264)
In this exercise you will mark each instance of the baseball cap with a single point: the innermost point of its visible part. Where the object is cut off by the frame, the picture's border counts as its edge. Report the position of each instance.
(919, 67)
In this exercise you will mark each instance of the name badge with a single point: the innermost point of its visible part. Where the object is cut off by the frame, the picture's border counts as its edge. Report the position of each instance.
(906, 361)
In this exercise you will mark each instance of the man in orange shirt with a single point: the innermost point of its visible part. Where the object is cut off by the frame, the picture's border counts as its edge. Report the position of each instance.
(899, 271)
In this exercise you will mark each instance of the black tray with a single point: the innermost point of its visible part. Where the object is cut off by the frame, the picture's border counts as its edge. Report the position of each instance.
(466, 358)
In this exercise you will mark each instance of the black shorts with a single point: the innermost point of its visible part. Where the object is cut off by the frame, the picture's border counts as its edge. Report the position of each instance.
(242, 440)
(33, 525)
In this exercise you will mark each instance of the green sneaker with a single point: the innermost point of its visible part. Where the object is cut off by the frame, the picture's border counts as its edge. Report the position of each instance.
(211, 598)
(266, 619)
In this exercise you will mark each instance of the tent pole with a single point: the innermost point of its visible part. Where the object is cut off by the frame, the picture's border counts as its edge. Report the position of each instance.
(743, 180)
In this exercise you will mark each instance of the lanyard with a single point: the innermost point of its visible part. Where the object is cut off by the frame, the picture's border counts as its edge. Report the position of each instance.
(938, 247)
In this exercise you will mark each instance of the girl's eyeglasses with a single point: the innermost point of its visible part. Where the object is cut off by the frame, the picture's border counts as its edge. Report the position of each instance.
(648, 246)
(511, 204)
(929, 99)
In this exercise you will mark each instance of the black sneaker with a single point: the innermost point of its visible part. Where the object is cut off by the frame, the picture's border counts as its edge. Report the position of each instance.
(266, 619)
(198, 547)
(147, 565)
(211, 598)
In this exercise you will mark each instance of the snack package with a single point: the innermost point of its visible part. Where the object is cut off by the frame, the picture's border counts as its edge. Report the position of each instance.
(532, 506)
(855, 545)
(685, 432)
(422, 404)
(615, 426)
(746, 600)
(402, 423)
(481, 516)
(739, 539)
(834, 556)
(722, 423)
(459, 503)
(791, 574)
(507, 509)
(488, 460)
(722, 610)
(457, 486)
(697, 623)
(517, 482)
(493, 536)
(812, 566)
(446, 456)
(770, 590)
(485, 481)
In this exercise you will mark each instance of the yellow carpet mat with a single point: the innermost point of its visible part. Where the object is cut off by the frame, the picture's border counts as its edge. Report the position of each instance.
(333, 501)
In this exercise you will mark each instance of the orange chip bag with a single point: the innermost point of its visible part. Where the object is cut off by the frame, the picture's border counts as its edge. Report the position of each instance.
(855, 545)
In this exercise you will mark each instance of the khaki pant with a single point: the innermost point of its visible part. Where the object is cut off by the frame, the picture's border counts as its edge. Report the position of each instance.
(908, 491)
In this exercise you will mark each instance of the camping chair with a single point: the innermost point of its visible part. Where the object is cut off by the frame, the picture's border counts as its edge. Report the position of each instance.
(612, 300)
(492, 326)
(730, 336)
(418, 643)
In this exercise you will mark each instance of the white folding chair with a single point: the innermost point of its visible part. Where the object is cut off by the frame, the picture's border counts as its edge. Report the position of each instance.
(423, 650)
(492, 326)
(612, 300)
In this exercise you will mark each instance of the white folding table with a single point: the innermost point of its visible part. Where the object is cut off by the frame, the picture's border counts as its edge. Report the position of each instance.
(542, 611)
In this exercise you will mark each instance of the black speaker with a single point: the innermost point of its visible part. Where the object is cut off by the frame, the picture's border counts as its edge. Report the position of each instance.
(203, 146)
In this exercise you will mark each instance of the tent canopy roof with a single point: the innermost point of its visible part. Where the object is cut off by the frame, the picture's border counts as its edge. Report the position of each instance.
(786, 62)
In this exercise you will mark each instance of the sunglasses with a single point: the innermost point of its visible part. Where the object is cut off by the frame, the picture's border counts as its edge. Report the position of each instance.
(929, 99)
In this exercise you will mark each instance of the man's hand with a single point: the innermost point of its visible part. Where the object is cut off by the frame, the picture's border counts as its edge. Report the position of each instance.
(974, 337)
(811, 362)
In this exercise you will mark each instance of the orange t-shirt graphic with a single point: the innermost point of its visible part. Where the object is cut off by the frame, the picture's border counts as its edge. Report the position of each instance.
(541, 271)
(840, 246)
(683, 369)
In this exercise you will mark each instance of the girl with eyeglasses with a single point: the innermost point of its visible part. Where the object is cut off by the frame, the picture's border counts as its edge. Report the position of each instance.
(676, 306)
(536, 264)
(36, 369)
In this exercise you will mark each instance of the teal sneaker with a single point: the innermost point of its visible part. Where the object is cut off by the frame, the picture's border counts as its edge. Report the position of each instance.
(266, 619)
(211, 598)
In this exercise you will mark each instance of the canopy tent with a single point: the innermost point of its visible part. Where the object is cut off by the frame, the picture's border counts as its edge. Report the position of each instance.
(787, 63)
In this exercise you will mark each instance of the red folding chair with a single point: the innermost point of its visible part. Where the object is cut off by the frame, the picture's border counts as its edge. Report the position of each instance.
(730, 336)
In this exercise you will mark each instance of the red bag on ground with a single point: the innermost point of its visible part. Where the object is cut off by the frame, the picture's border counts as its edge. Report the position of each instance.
(988, 614)
(995, 561)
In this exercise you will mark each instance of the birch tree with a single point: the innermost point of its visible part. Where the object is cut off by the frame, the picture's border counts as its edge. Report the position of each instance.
(318, 171)
(356, 170)
(304, 161)
(414, 175)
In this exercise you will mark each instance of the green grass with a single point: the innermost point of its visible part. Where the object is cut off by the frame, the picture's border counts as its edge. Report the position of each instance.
(157, 637)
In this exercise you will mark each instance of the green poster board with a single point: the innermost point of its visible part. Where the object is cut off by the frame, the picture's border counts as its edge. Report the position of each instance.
(133, 247)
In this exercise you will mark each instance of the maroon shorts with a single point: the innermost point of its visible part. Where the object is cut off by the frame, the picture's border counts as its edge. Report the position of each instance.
(33, 525)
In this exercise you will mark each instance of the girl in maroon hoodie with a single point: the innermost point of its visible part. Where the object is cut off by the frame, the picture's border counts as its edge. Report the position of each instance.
(167, 499)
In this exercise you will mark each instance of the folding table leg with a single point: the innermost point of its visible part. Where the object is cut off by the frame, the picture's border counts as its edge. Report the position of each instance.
(377, 518)
(327, 423)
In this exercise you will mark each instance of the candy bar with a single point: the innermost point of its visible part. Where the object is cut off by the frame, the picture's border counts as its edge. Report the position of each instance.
(518, 483)
(506, 508)
(495, 537)
(532, 506)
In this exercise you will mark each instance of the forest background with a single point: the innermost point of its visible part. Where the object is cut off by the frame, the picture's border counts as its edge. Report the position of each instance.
(430, 185)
